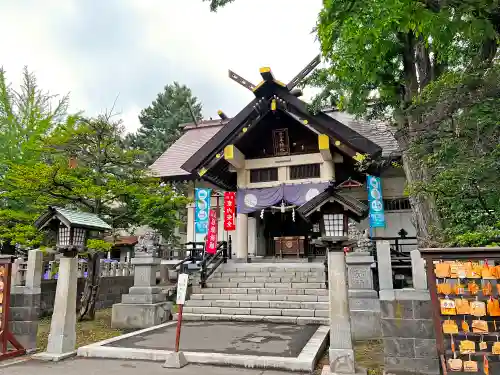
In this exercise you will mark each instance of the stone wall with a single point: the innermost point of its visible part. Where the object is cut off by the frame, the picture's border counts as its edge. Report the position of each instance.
(24, 311)
(110, 292)
(408, 334)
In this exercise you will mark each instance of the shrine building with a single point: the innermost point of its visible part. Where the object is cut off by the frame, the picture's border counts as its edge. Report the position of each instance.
(295, 173)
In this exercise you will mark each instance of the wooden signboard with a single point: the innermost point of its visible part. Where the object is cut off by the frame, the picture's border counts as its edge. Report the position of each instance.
(9, 346)
(281, 142)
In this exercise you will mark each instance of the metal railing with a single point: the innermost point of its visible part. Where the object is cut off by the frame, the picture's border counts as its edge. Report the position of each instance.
(215, 261)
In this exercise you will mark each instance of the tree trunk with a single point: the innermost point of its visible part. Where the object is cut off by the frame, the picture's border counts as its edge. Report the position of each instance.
(91, 290)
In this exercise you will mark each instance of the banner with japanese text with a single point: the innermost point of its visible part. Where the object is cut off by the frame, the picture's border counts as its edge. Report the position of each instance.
(229, 210)
(375, 201)
(211, 242)
(202, 205)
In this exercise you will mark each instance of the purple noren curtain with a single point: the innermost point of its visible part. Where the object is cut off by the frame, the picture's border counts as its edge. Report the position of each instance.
(251, 200)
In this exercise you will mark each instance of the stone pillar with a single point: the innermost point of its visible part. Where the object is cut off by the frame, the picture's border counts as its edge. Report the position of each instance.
(363, 299)
(145, 305)
(25, 303)
(62, 336)
(418, 270)
(242, 237)
(252, 237)
(384, 268)
(341, 352)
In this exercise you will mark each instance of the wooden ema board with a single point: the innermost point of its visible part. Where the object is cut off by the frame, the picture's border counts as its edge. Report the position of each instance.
(478, 336)
(9, 346)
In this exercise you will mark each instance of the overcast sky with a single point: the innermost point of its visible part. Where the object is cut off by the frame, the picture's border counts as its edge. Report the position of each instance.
(100, 49)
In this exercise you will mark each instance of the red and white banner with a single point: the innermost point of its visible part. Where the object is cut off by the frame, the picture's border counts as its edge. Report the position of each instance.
(229, 210)
(211, 242)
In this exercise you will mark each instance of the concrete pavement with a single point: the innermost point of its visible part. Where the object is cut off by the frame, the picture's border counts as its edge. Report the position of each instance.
(81, 366)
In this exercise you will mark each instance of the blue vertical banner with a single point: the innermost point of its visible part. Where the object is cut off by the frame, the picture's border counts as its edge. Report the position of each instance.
(201, 210)
(375, 201)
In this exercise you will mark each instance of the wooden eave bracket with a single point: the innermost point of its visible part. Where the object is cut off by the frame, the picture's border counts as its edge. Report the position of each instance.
(234, 156)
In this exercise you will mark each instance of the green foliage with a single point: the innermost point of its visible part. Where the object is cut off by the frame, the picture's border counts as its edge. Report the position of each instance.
(97, 245)
(216, 4)
(160, 121)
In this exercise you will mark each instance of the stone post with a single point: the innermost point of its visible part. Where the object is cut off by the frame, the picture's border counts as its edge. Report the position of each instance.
(242, 237)
(62, 336)
(384, 269)
(363, 299)
(25, 303)
(145, 305)
(418, 270)
(341, 351)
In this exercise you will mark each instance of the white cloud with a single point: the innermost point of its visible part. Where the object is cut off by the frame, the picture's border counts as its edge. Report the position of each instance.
(131, 48)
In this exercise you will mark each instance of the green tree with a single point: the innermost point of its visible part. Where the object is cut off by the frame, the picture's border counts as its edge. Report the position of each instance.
(27, 115)
(108, 180)
(160, 121)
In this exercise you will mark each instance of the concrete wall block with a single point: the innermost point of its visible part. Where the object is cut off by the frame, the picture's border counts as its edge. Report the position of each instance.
(422, 309)
(399, 347)
(265, 312)
(247, 318)
(425, 348)
(365, 325)
(315, 305)
(396, 309)
(259, 274)
(260, 304)
(293, 279)
(305, 320)
(245, 303)
(297, 312)
(323, 298)
(197, 289)
(364, 304)
(239, 311)
(408, 328)
(24, 328)
(406, 366)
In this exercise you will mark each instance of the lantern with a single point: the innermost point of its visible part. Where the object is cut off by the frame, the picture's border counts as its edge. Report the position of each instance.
(334, 225)
(72, 227)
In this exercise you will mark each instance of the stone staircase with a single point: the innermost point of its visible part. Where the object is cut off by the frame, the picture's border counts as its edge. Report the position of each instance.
(268, 292)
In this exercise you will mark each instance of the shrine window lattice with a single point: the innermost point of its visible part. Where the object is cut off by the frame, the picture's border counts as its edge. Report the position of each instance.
(263, 175)
(298, 172)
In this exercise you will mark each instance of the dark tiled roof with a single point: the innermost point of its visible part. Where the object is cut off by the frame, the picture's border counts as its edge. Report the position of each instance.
(358, 208)
(376, 131)
(169, 164)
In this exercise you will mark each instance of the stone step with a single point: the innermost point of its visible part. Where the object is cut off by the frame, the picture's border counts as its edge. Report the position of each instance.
(260, 290)
(251, 284)
(301, 320)
(261, 297)
(281, 273)
(256, 311)
(266, 279)
(258, 304)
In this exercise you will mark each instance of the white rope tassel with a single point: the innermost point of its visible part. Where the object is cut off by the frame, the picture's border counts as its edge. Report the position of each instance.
(293, 215)
(262, 214)
(282, 207)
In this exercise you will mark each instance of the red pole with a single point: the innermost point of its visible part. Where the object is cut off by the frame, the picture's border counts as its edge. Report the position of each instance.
(178, 332)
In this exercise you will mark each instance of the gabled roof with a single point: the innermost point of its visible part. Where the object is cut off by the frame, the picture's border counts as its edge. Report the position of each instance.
(195, 136)
(359, 209)
(72, 218)
(283, 100)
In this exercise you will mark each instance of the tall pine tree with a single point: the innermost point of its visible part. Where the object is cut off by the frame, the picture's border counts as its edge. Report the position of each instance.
(160, 121)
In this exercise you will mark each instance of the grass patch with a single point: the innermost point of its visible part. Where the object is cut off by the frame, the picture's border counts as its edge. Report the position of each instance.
(87, 332)
(369, 355)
